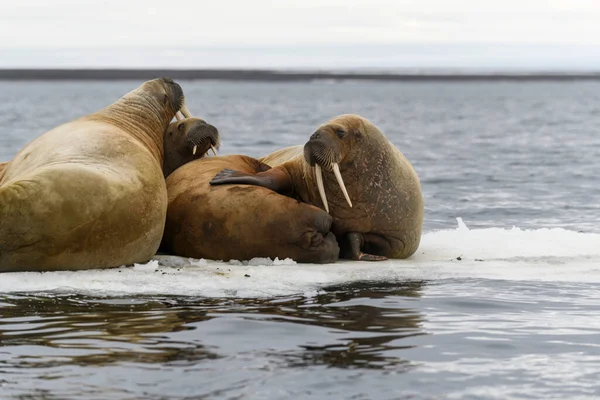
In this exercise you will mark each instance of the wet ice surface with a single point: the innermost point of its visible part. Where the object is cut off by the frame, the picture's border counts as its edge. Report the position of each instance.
(492, 253)
(482, 311)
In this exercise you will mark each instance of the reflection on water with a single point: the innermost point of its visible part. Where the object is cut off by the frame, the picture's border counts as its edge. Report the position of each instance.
(72, 330)
(472, 338)
(357, 350)
(48, 336)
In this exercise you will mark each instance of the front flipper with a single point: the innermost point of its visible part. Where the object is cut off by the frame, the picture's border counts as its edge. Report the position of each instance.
(274, 179)
(351, 248)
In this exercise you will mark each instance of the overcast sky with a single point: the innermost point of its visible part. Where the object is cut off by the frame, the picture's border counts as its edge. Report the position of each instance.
(458, 32)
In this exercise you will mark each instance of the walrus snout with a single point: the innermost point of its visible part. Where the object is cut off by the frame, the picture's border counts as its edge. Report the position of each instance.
(323, 246)
(177, 98)
(332, 253)
(322, 150)
(310, 151)
(323, 222)
(319, 134)
(328, 250)
(202, 137)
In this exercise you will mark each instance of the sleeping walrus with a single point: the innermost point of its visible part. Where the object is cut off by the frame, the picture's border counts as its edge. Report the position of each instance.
(241, 222)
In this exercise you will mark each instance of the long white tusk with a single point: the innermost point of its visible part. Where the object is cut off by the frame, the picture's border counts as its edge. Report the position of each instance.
(338, 176)
(185, 111)
(319, 176)
(213, 150)
(195, 148)
(179, 116)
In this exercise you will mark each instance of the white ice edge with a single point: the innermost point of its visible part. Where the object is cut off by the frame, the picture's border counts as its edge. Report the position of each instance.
(493, 253)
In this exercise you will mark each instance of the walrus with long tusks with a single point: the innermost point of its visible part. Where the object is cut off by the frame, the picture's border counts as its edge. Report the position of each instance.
(349, 168)
(91, 193)
(241, 222)
(186, 140)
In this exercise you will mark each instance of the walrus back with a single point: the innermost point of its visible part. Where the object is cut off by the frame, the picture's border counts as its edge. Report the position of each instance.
(198, 213)
(281, 156)
(407, 205)
(74, 216)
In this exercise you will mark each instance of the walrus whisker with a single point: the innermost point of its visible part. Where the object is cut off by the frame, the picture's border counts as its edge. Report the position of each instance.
(331, 159)
(185, 111)
(338, 176)
(320, 186)
(322, 157)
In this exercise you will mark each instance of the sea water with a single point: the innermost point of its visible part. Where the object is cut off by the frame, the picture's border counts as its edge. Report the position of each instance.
(499, 302)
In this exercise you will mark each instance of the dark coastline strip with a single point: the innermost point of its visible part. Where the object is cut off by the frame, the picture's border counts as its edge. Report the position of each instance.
(276, 76)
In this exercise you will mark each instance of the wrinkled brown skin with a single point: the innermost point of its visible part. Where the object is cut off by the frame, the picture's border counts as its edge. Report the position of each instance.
(2, 168)
(387, 214)
(241, 222)
(90, 193)
(180, 139)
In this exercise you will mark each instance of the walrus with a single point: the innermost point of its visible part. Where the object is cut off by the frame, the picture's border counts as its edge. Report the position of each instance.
(186, 140)
(91, 193)
(377, 207)
(241, 222)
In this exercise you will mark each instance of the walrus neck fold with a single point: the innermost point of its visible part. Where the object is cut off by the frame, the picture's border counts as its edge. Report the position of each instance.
(2, 169)
(146, 124)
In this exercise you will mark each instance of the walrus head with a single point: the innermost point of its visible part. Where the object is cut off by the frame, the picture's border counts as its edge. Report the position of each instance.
(146, 111)
(186, 140)
(168, 94)
(333, 144)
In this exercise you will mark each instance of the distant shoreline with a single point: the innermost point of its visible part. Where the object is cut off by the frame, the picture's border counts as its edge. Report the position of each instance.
(282, 76)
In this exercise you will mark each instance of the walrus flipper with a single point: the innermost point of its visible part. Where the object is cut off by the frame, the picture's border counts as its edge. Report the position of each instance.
(353, 242)
(274, 179)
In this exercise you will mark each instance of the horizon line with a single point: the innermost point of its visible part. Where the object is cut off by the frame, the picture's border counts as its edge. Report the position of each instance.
(290, 74)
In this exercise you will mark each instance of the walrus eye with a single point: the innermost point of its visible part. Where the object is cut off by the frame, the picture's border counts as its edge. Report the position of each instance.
(165, 99)
(180, 127)
(340, 133)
